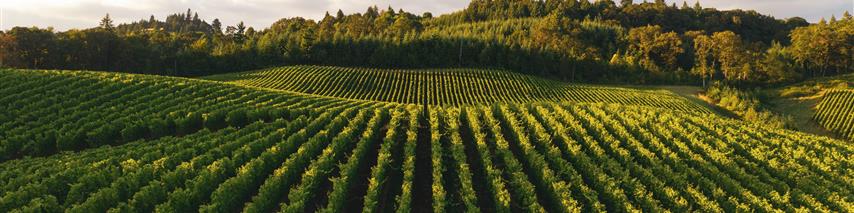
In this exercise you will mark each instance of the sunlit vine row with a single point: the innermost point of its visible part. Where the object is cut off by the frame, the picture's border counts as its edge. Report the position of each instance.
(446, 87)
(835, 112)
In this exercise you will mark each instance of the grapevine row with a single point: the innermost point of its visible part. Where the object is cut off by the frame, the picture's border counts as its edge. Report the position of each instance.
(835, 112)
(450, 87)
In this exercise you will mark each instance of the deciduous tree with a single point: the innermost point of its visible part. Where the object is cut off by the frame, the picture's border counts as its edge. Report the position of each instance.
(656, 48)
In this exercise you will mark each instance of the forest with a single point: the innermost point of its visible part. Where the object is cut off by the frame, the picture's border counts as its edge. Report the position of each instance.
(573, 40)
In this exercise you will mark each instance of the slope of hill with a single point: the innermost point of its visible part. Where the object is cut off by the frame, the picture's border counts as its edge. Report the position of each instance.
(835, 112)
(446, 87)
(801, 101)
(43, 112)
(333, 155)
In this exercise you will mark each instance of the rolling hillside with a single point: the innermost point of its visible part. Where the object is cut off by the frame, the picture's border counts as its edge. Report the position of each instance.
(818, 106)
(446, 87)
(260, 144)
(835, 112)
(44, 112)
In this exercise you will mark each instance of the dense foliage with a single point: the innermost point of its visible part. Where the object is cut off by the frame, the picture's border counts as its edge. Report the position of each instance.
(835, 112)
(815, 87)
(747, 105)
(332, 155)
(568, 39)
(445, 87)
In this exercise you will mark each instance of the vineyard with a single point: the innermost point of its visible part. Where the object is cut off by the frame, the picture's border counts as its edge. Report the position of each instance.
(45, 112)
(835, 112)
(77, 141)
(445, 87)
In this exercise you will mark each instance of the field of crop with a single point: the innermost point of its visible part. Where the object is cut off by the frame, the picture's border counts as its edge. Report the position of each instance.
(44, 112)
(137, 143)
(446, 87)
(835, 112)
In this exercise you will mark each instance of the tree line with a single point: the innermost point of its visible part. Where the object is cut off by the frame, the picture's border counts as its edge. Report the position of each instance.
(574, 40)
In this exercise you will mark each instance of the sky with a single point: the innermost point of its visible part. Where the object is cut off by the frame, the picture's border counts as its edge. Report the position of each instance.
(68, 14)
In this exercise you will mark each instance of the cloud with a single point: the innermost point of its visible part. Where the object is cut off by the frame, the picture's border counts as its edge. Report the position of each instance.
(66, 14)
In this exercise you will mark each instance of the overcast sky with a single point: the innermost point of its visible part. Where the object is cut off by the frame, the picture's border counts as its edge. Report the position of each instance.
(66, 14)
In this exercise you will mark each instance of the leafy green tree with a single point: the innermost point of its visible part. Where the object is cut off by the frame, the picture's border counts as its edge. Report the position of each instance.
(403, 24)
(384, 21)
(7, 46)
(704, 62)
(32, 48)
(825, 46)
(731, 55)
(777, 65)
(655, 47)
(327, 27)
(217, 26)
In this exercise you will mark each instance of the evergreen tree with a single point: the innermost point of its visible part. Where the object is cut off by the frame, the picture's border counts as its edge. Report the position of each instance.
(371, 13)
(340, 15)
(106, 23)
(217, 26)
(152, 22)
(241, 28)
